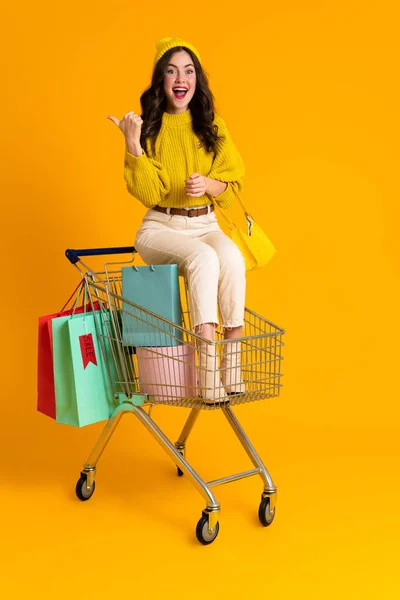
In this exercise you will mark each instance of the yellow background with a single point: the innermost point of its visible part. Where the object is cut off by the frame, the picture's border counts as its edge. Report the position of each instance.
(310, 93)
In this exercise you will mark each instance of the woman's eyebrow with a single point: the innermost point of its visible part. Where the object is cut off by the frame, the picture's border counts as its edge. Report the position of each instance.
(189, 65)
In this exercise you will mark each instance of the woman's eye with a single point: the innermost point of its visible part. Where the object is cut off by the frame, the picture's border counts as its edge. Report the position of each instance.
(172, 70)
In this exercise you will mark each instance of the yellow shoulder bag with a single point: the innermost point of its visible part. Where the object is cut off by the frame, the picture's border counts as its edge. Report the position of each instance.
(254, 244)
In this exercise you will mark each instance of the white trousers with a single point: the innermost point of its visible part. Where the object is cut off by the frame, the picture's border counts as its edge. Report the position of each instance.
(210, 261)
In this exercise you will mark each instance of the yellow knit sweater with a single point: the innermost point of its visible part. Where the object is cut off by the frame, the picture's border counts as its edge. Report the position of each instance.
(161, 179)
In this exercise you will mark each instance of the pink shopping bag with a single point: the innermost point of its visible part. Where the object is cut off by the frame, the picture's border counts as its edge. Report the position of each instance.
(167, 372)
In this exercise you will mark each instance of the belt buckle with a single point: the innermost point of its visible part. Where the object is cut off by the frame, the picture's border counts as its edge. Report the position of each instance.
(190, 211)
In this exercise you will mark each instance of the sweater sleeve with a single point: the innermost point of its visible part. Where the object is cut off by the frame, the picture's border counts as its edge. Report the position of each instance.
(227, 166)
(146, 179)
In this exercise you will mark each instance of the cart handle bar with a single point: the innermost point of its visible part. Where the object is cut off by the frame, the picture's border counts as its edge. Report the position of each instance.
(73, 255)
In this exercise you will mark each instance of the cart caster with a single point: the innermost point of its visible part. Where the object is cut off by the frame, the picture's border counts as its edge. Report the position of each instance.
(82, 490)
(266, 515)
(203, 534)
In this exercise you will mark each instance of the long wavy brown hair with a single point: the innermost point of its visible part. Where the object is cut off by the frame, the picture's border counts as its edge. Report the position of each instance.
(153, 102)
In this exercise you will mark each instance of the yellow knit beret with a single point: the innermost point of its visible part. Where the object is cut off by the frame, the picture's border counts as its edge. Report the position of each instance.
(171, 42)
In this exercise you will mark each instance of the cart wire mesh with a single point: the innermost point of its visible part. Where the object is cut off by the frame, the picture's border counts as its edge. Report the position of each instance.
(170, 367)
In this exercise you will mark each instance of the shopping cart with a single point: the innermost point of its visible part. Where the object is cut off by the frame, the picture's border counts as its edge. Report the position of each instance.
(144, 377)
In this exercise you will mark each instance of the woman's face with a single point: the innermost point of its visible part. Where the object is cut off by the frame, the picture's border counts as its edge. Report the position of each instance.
(180, 73)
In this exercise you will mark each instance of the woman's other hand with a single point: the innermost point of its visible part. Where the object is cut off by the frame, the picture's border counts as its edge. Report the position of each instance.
(199, 185)
(131, 127)
(196, 185)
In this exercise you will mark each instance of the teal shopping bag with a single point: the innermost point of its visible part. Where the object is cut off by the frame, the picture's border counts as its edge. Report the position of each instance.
(82, 389)
(155, 288)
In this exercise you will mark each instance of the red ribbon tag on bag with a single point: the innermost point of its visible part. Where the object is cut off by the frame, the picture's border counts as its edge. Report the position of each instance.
(87, 349)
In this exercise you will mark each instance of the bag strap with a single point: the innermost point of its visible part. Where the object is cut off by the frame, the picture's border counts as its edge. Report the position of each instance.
(80, 285)
(248, 216)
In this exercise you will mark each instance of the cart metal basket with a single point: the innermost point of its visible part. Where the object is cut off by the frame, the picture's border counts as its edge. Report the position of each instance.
(167, 372)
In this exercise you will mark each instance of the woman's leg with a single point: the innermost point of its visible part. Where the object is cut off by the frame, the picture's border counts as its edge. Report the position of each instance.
(231, 282)
(231, 300)
(211, 388)
(206, 330)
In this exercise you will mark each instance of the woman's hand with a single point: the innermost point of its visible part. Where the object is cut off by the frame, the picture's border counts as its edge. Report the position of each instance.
(199, 185)
(196, 185)
(130, 125)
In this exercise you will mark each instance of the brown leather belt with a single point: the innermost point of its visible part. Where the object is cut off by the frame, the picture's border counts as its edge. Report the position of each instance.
(193, 212)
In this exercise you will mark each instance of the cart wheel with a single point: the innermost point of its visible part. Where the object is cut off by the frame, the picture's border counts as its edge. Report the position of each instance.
(202, 533)
(264, 514)
(81, 489)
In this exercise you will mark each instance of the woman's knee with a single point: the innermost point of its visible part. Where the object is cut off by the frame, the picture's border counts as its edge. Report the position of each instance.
(204, 259)
(231, 260)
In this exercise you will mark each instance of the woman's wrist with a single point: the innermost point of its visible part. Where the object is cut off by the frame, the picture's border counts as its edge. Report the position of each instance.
(133, 147)
(214, 187)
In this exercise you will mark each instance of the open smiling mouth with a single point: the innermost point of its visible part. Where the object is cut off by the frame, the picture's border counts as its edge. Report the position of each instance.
(180, 93)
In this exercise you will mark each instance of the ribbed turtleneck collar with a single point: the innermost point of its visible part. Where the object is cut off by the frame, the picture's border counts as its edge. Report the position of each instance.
(175, 120)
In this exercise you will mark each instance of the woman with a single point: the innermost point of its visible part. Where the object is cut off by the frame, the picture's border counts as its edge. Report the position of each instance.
(179, 161)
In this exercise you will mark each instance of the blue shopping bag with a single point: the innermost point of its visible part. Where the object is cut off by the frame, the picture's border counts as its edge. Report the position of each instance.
(82, 390)
(154, 288)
